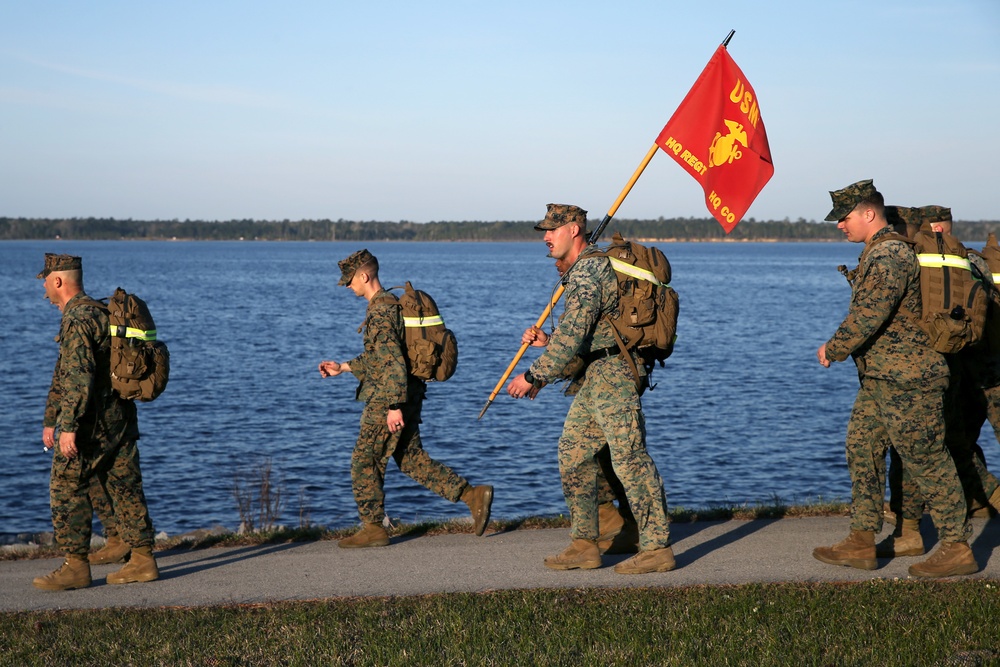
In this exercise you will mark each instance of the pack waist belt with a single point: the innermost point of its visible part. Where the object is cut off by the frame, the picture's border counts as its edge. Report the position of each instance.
(591, 357)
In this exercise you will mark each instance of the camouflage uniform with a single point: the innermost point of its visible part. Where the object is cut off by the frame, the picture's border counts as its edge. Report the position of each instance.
(101, 503)
(385, 382)
(964, 412)
(963, 403)
(606, 410)
(986, 373)
(900, 400)
(81, 401)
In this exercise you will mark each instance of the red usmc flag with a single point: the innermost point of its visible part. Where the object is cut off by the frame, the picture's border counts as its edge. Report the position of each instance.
(717, 135)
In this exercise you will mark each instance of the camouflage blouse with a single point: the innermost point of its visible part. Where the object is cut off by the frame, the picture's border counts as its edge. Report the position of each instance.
(381, 368)
(882, 330)
(591, 293)
(80, 398)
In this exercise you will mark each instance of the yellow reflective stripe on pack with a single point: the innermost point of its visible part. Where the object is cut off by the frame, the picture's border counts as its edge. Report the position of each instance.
(429, 321)
(936, 261)
(996, 278)
(120, 331)
(635, 271)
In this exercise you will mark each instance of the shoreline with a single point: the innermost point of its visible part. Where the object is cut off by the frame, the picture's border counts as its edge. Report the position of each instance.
(28, 545)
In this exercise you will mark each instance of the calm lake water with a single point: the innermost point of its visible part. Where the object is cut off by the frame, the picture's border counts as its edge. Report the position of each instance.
(742, 412)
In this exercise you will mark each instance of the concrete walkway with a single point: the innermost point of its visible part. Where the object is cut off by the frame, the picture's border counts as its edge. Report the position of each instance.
(727, 552)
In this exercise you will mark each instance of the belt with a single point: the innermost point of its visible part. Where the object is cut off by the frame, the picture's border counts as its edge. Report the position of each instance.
(591, 357)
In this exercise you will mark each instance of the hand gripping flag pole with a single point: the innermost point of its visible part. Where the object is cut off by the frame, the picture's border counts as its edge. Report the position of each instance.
(717, 136)
(592, 239)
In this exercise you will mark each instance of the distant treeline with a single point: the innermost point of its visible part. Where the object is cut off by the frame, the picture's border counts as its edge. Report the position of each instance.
(683, 229)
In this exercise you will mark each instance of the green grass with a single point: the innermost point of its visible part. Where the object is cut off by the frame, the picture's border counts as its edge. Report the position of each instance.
(881, 622)
(873, 623)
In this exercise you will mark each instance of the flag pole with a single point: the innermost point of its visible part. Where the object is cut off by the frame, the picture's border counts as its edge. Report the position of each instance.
(591, 240)
(725, 42)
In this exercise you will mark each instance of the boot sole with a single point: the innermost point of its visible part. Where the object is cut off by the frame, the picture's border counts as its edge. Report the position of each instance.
(959, 571)
(658, 568)
(132, 580)
(586, 565)
(45, 587)
(858, 563)
(376, 543)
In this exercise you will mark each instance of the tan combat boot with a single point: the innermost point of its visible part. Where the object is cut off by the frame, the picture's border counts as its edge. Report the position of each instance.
(618, 536)
(582, 554)
(950, 559)
(141, 566)
(858, 550)
(905, 540)
(654, 560)
(888, 515)
(114, 551)
(74, 573)
(370, 535)
(480, 501)
(609, 521)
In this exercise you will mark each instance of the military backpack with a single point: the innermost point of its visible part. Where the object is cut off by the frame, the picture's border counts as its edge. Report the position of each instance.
(431, 347)
(647, 305)
(991, 253)
(140, 364)
(954, 298)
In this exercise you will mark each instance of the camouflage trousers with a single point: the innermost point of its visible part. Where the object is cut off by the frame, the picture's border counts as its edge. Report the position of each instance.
(964, 414)
(609, 487)
(115, 467)
(103, 508)
(910, 419)
(376, 445)
(607, 412)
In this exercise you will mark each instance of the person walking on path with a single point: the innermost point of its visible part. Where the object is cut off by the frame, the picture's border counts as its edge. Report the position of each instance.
(93, 432)
(900, 400)
(390, 421)
(971, 369)
(605, 411)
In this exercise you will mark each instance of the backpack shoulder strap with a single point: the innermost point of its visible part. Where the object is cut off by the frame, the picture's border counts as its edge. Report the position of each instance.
(891, 236)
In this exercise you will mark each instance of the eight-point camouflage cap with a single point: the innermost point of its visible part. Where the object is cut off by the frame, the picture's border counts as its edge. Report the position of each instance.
(351, 264)
(904, 219)
(562, 214)
(55, 262)
(845, 200)
(935, 214)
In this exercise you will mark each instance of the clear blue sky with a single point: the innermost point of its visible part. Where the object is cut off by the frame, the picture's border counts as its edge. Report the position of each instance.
(480, 111)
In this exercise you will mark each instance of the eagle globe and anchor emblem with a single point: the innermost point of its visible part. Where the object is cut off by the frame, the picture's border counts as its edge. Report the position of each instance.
(726, 149)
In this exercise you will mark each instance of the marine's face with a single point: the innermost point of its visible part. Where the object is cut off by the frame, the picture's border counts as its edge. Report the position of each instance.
(50, 289)
(559, 242)
(357, 285)
(855, 225)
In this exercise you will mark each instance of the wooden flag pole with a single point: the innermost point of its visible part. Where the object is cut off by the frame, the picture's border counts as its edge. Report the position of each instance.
(591, 240)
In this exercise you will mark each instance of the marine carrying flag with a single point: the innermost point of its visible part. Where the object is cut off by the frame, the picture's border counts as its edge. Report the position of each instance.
(718, 137)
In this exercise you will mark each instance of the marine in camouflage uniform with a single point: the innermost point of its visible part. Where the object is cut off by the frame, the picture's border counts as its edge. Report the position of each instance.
(96, 442)
(390, 421)
(986, 374)
(900, 399)
(964, 413)
(605, 410)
